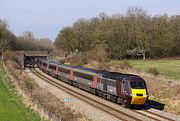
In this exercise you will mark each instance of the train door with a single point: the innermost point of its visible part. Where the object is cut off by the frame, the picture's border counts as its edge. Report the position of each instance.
(105, 84)
(119, 87)
(124, 88)
(99, 84)
(102, 84)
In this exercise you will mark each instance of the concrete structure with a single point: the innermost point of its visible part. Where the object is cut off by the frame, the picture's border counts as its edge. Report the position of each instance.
(28, 57)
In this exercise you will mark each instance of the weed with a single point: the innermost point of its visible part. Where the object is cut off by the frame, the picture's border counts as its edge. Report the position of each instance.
(153, 71)
(125, 65)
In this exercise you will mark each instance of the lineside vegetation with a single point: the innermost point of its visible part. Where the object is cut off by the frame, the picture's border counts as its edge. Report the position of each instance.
(11, 105)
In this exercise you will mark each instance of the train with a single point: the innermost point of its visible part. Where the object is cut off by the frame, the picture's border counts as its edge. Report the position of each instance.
(124, 89)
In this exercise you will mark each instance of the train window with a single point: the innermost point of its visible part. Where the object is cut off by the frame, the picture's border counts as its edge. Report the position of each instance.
(64, 70)
(45, 64)
(103, 81)
(137, 85)
(82, 75)
(52, 67)
(111, 83)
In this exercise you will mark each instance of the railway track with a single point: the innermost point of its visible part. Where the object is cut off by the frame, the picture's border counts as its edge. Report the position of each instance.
(153, 114)
(115, 113)
(105, 108)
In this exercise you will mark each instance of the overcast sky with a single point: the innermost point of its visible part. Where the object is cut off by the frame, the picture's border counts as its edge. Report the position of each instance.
(46, 17)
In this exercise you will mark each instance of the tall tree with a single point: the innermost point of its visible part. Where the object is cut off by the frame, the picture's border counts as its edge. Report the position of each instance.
(133, 34)
(3, 38)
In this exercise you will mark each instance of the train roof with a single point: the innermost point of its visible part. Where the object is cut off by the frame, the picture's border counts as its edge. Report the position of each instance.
(95, 71)
(45, 61)
(67, 66)
(117, 76)
(102, 73)
(59, 64)
(53, 63)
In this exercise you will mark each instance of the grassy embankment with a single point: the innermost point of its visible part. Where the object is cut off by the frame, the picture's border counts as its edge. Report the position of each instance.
(169, 68)
(163, 92)
(11, 106)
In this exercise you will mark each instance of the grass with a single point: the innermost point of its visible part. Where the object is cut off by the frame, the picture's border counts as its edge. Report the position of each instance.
(169, 68)
(11, 105)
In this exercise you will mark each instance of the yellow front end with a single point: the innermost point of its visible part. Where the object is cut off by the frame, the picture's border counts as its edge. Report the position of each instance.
(139, 96)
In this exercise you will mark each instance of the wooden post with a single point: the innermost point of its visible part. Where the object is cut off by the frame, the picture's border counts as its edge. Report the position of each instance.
(144, 56)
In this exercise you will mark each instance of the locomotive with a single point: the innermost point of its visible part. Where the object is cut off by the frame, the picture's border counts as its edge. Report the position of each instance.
(124, 89)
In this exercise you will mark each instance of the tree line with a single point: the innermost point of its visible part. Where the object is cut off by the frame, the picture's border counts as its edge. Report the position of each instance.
(134, 34)
(26, 42)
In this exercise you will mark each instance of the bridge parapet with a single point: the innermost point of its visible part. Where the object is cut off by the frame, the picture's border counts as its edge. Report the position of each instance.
(32, 53)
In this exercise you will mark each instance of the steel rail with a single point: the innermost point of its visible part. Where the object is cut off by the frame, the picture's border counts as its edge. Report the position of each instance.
(90, 101)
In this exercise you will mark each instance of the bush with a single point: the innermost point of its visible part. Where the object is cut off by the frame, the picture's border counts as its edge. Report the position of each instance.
(29, 85)
(78, 59)
(153, 71)
(125, 65)
(99, 54)
(62, 61)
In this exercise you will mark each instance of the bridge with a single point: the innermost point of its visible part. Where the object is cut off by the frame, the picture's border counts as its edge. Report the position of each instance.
(28, 57)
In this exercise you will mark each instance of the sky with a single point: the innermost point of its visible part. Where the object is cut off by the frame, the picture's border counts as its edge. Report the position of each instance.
(45, 18)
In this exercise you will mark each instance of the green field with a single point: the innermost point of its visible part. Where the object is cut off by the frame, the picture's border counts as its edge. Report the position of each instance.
(11, 106)
(169, 68)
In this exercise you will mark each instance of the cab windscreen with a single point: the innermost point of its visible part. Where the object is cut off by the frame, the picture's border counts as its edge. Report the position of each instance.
(137, 85)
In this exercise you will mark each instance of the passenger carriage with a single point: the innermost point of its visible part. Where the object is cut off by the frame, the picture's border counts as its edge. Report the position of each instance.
(125, 89)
